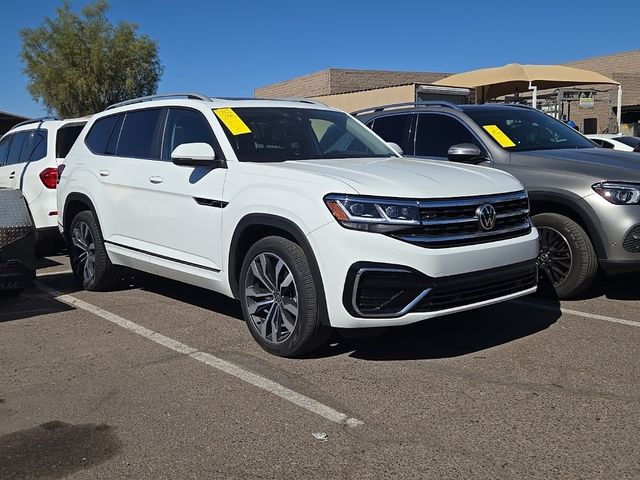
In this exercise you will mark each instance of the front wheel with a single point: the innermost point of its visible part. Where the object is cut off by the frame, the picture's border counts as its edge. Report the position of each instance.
(89, 260)
(567, 257)
(279, 300)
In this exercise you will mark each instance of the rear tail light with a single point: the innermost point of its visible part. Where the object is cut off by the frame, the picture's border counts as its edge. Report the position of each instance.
(60, 170)
(49, 177)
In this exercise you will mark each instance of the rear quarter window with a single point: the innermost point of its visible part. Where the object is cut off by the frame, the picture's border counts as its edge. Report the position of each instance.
(101, 131)
(65, 139)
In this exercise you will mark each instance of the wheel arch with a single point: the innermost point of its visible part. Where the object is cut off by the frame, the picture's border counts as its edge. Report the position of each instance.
(74, 204)
(573, 208)
(256, 226)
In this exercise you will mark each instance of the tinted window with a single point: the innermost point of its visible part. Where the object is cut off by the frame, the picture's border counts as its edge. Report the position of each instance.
(65, 139)
(394, 128)
(526, 129)
(38, 145)
(99, 135)
(606, 144)
(185, 126)
(630, 141)
(4, 148)
(435, 134)
(19, 139)
(138, 135)
(280, 134)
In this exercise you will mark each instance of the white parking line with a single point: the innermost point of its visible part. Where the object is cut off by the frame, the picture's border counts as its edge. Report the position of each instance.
(227, 367)
(577, 313)
(58, 272)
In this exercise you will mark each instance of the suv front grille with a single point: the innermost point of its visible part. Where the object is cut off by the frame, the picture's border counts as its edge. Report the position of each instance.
(454, 222)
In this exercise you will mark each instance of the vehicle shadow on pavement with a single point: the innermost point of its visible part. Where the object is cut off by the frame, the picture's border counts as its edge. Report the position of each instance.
(451, 336)
(31, 303)
(196, 296)
(621, 287)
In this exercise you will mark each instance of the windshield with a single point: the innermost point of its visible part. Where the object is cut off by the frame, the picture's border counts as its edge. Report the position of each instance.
(523, 129)
(630, 141)
(279, 134)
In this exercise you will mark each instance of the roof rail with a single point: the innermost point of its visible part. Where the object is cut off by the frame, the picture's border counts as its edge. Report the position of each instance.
(426, 103)
(281, 99)
(190, 96)
(35, 120)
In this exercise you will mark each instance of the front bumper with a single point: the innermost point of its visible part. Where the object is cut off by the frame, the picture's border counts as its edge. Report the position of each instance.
(620, 233)
(338, 250)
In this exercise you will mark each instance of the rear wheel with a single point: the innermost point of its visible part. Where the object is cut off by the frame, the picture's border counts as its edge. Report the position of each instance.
(278, 298)
(567, 257)
(89, 260)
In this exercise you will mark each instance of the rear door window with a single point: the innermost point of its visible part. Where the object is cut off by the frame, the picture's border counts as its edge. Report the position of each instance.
(138, 138)
(394, 128)
(4, 149)
(14, 154)
(435, 134)
(38, 145)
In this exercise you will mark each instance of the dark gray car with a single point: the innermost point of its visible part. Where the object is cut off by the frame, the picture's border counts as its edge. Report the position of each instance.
(585, 201)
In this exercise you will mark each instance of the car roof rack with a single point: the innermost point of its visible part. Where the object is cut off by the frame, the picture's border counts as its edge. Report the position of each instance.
(35, 120)
(281, 99)
(426, 103)
(190, 96)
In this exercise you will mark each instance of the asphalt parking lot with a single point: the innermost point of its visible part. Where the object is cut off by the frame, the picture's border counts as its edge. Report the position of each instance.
(163, 380)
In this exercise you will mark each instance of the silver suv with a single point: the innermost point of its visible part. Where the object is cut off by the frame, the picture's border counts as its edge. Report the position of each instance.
(585, 200)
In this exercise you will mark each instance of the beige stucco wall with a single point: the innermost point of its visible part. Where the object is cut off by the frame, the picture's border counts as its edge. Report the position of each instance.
(370, 98)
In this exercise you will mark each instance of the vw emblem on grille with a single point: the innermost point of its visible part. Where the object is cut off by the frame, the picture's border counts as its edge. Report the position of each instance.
(486, 216)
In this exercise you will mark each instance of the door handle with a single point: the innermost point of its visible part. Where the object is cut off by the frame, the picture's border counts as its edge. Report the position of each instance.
(12, 175)
(156, 179)
(104, 173)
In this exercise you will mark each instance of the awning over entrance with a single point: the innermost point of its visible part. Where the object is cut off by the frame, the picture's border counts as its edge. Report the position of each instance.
(8, 120)
(515, 78)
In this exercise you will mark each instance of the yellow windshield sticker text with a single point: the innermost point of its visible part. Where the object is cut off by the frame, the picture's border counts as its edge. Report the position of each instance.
(232, 121)
(499, 136)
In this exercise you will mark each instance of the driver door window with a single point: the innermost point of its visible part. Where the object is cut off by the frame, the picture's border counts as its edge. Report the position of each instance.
(435, 134)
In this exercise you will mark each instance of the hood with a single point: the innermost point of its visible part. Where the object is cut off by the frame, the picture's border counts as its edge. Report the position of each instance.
(410, 177)
(601, 163)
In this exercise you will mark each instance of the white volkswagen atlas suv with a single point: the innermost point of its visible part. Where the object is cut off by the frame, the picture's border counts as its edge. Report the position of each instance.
(295, 209)
(29, 157)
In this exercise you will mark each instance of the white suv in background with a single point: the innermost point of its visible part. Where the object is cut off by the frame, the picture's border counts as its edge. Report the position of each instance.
(294, 208)
(29, 157)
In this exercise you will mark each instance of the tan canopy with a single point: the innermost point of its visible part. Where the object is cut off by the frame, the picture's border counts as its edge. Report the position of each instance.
(496, 82)
(515, 78)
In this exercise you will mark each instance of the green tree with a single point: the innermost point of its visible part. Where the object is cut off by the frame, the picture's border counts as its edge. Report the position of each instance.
(79, 64)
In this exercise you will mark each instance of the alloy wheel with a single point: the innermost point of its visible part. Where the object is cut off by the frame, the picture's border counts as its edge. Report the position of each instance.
(271, 297)
(84, 257)
(555, 257)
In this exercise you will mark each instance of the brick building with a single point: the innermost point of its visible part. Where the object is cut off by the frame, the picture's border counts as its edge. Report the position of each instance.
(351, 89)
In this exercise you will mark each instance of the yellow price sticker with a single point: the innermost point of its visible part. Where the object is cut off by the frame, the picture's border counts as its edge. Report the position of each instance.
(232, 121)
(499, 136)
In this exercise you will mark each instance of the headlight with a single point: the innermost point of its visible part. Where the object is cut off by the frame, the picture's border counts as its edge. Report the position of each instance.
(374, 214)
(619, 193)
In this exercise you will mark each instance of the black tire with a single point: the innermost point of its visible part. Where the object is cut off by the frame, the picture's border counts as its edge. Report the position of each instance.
(104, 275)
(308, 333)
(583, 262)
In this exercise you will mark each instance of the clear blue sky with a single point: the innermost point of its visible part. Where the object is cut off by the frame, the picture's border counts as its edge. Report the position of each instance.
(231, 47)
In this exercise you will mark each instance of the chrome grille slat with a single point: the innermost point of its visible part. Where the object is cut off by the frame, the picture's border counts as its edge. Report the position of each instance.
(454, 222)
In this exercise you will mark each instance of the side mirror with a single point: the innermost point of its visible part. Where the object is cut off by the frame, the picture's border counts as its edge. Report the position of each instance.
(196, 155)
(466, 153)
(395, 147)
